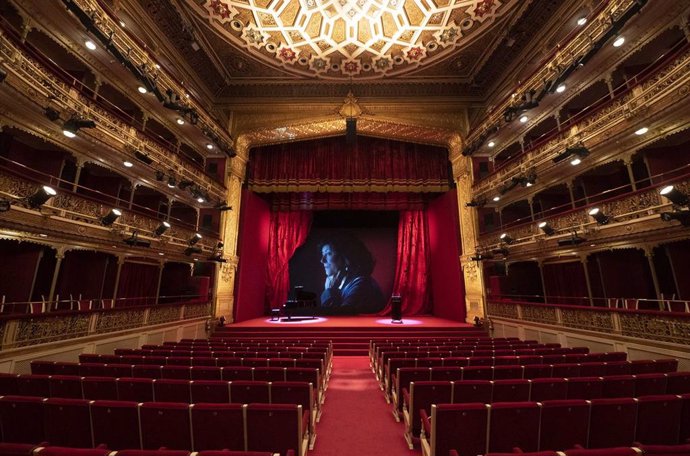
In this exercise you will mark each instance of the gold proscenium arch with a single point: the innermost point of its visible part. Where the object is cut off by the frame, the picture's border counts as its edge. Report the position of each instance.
(335, 126)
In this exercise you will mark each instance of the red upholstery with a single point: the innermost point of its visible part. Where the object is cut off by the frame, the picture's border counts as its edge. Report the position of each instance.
(99, 388)
(152, 453)
(658, 419)
(507, 372)
(510, 391)
(65, 386)
(284, 422)
(564, 424)
(650, 384)
(217, 426)
(566, 370)
(68, 422)
(115, 424)
(678, 383)
(643, 366)
(118, 370)
(177, 372)
(423, 394)
(16, 449)
(621, 451)
(585, 387)
(666, 450)
(593, 369)
(439, 373)
(619, 386)
(172, 390)
(40, 367)
(477, 373)
(685, 419)
(135, 389)
(543, 389)
(147, 371)
(65, 368)
(157, 419)
(8, 384)
(618, 368)
(604, 412)
(70, 451)
(269, 374)
(245, 392)
(33, 385)
(514, 425)
(537, 371)
(531, 453)
(467, 391)
(460, 426)
(205, 373)
(217, 391)
(666, 365)
(93, 369)
(21, 418)
(237, 373)
(239, 453)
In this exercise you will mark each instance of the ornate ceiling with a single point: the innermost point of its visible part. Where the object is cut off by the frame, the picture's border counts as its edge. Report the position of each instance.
(342, 39)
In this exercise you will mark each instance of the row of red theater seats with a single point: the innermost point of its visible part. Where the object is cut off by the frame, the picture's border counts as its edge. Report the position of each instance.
(480, 350)
(420, 395)
(553, 355)
(376, 347)
(220, 350)
(184, 358)
(122, 424)
(28, 449)
(638, 450)
(474, 429)
(245, 343)
(250, 361)
(405, 375)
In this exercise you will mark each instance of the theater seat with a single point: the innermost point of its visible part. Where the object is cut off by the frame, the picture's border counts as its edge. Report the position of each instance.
(115, 424)
(16, 449)
(619, 451)
(665, 450)
(68, 422)
(157, 419)
(277, 428)
(564, 424)
(216, 426)
(612, 422)
(70, 451)
(21, 418)
(658, 419)
(514, 425)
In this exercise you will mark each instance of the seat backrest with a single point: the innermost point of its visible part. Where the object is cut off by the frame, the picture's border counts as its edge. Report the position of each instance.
(468, 391)
(115, 424)
(68, 422)
(157, 419)
(217, 426)
(585, 387)
(658, 419)
(245, 392)
(544, 389)
(66, 386)
(172, 390)
(22, 419)
(450, 422)
(274, 427)
(135, 389)
(425, 393)
(563, 424)
(650, 384)
(514, 425)
(99, 388)
(612, 422)
(510, 391)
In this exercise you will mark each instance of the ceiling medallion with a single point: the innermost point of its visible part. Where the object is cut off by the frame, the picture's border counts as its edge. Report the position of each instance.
(363, 39)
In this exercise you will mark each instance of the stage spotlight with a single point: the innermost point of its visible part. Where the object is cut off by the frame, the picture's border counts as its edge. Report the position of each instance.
(3, 75)
(162, 228)
(600, 217)
(42, 195)
(142, 157)
(502, 251)
(190, 250)
(547, 229)
(194, 239)
(682, 216)
(674, 195)
(73, 124)
(476, 203)
(110, 217)
(5, 205)
(184, 184)
(579, 151)
(220, 245)
(160, 176)
(172, 182)
(507, 239)
(574, 239)
(51, 113)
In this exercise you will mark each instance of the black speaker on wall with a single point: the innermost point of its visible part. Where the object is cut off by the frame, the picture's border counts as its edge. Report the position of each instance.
(350, 130)
(396, 309)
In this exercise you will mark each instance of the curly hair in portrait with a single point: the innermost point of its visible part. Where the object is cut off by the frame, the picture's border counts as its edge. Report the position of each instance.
(355, 255)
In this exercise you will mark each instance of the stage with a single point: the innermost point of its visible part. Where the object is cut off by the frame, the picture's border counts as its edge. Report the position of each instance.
(350, 335)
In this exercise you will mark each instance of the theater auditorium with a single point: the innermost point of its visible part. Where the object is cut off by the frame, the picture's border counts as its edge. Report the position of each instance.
(344, 227)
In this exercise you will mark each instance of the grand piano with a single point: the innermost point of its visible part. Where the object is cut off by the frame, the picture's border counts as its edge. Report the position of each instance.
(300, 303)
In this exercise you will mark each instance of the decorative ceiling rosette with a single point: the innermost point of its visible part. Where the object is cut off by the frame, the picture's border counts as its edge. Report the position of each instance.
(342, 39)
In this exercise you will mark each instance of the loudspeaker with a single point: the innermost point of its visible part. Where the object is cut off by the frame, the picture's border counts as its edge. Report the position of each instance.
(350, 130)
(396, 309)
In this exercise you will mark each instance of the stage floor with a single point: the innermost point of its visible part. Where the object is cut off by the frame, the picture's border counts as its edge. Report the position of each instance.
(370, 322)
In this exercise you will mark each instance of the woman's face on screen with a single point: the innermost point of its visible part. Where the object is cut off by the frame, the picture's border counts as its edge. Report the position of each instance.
(331, 261)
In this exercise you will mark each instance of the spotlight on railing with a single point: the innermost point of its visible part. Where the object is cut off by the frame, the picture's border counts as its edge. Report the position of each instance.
(162, 228)
(74, 124)
(600, 217)
(191, 250)
(674, 195)
(547, 229)
(42, 195)
(682, 216)
(507, 239)
(110, 217)
(194, 239)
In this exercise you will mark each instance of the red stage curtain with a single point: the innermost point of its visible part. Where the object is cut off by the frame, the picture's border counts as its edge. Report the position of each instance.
(288, 231)
(412, 269)
(138, 282)
(329, 165)
(373, 201)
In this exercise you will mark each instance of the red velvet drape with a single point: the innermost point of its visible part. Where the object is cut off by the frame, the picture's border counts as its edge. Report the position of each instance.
(138, 285)
(288, 231)
(565, 283)
(412, 269)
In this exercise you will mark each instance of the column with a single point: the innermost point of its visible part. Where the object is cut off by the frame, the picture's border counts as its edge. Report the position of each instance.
(631, 176)
(144, 121)
(97, 86)
(120, 262)
(543, 284)
(530, 200)
(569, 184)
(160, 278)
(77, 175)
(171, 200)
(649, 253)
(583, 260)
(557, 117)
(673, 271)
(59, 255)
(609, 83)
(522, 143)
(33, 281)
(131, 195)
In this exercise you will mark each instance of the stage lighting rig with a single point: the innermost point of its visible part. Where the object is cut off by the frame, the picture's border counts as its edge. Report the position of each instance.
(579, 151)
(682, 216)
(481, 202)
(5, 205)
(40, 197)
(3, 75)
(134, 241)
(222, 206)
(75, 123)
(574, 239)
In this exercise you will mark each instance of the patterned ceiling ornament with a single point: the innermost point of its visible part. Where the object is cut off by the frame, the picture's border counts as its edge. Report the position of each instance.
(254, 37)
(389, 36)
(350, 107)
(448, 36)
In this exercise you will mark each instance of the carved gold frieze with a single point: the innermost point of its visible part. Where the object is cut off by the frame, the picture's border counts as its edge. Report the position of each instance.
(197, 310)
(656, 327)
(587, 319)
(541, 314)
(40, 330)
(163, 314)
(118, 320)
(500, 309)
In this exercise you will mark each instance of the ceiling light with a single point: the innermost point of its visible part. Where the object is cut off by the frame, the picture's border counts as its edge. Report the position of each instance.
(90, 45)
(68, 133)
(110, 217)
(209, 146)
(575, 161)
(529, 184)
(642, 131)
(582, 21)
(619, 41)
(161, 253)
(492, 144)
(142, 89)
(180, 121)
(560, 88)
(42, 195)
(496, 198)
(524, 119)
(128, 164)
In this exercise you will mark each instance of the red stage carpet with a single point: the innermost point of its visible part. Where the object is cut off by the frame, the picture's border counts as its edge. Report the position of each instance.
(356, 419)
(350, 335)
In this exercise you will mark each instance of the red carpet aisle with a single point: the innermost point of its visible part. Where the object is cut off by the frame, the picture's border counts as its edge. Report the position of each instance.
(356, 420)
